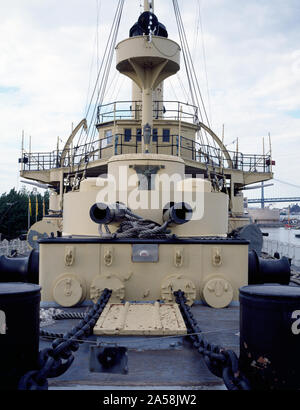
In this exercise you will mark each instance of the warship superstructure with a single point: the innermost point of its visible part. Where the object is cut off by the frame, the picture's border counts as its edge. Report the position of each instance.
(144, 208)
(146, 138)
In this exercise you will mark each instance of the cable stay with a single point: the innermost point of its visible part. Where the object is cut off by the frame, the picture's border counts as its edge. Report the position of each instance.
(286, 183)
(100, 89)
(194, 87)
(105, 67)
(204, 59)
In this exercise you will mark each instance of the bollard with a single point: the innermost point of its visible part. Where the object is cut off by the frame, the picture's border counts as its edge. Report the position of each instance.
(19, 331)
(270, 336)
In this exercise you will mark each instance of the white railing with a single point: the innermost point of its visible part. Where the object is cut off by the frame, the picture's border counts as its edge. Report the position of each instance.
(6, 247)
(289, 250)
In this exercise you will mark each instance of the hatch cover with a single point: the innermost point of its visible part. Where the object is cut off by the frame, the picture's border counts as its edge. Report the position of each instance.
(141, 319)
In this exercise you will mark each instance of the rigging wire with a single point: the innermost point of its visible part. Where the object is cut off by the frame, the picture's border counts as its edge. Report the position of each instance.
(183, 87)
(97, 80)
(105, 70)
(286, 183)
(184, 54)
(90, 76)
(112, 87)
(104, 81)
(191, 73)
(100, 90)
(95, 59)
(105, 57)
(187, 66)
(84, 145)
(205, 60)
(189, 60)
(97, 32)
(103, 86)
(173, 89)
(196, 32)
(118, 92)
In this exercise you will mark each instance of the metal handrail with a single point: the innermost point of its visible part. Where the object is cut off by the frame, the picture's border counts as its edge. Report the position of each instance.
(161, 110)
(117, 145)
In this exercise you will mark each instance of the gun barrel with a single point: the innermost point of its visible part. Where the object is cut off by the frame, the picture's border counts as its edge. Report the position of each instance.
(179, 213)
(105, 214)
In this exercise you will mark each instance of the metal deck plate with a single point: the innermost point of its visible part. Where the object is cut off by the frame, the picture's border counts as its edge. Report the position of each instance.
(160, 368)
(141, 319)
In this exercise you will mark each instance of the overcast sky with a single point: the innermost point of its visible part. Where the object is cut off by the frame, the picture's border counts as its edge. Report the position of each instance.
(48, 66)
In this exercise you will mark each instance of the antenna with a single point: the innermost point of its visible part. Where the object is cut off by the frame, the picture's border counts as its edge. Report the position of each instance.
(270, 143)
(22, 152)
(223, 133)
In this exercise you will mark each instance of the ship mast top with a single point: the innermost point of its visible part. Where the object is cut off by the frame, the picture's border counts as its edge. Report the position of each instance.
(148, 63)
(149, 5)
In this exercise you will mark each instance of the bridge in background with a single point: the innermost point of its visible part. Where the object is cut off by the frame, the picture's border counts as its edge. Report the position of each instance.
(279, 193)
(270, 200)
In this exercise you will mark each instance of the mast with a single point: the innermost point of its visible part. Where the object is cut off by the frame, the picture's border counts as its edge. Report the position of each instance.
(156, 94)
(149, 5)
(148, 63)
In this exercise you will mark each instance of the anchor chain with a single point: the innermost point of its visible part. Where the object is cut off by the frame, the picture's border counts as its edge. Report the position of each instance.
(221, 362)
(61, 316)
(55, 361)
(52, 335)
(69, 315)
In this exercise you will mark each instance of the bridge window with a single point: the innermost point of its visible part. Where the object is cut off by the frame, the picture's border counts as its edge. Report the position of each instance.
(107, 140)
(139, 135)
(155, 135)
(127, 133)
(166, 135)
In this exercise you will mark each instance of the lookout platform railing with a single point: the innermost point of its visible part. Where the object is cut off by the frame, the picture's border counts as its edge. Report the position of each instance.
(162, 110)
(161, 144)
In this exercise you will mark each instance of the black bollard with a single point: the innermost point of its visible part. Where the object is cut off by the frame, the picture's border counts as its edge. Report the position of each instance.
(19, 331)
(20, 269)
(262, 270)
(270, 336)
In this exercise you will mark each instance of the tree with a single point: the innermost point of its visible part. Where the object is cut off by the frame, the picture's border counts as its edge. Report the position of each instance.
(14, 211)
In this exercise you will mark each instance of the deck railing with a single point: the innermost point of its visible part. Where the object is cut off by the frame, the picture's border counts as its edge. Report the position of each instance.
(129, 110)
(120, 144)
(289, 250)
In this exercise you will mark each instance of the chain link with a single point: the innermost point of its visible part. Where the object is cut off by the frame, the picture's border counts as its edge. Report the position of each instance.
(50, 335)
(221, 362)
(61, 316)
(69, 315)
(55, 361)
